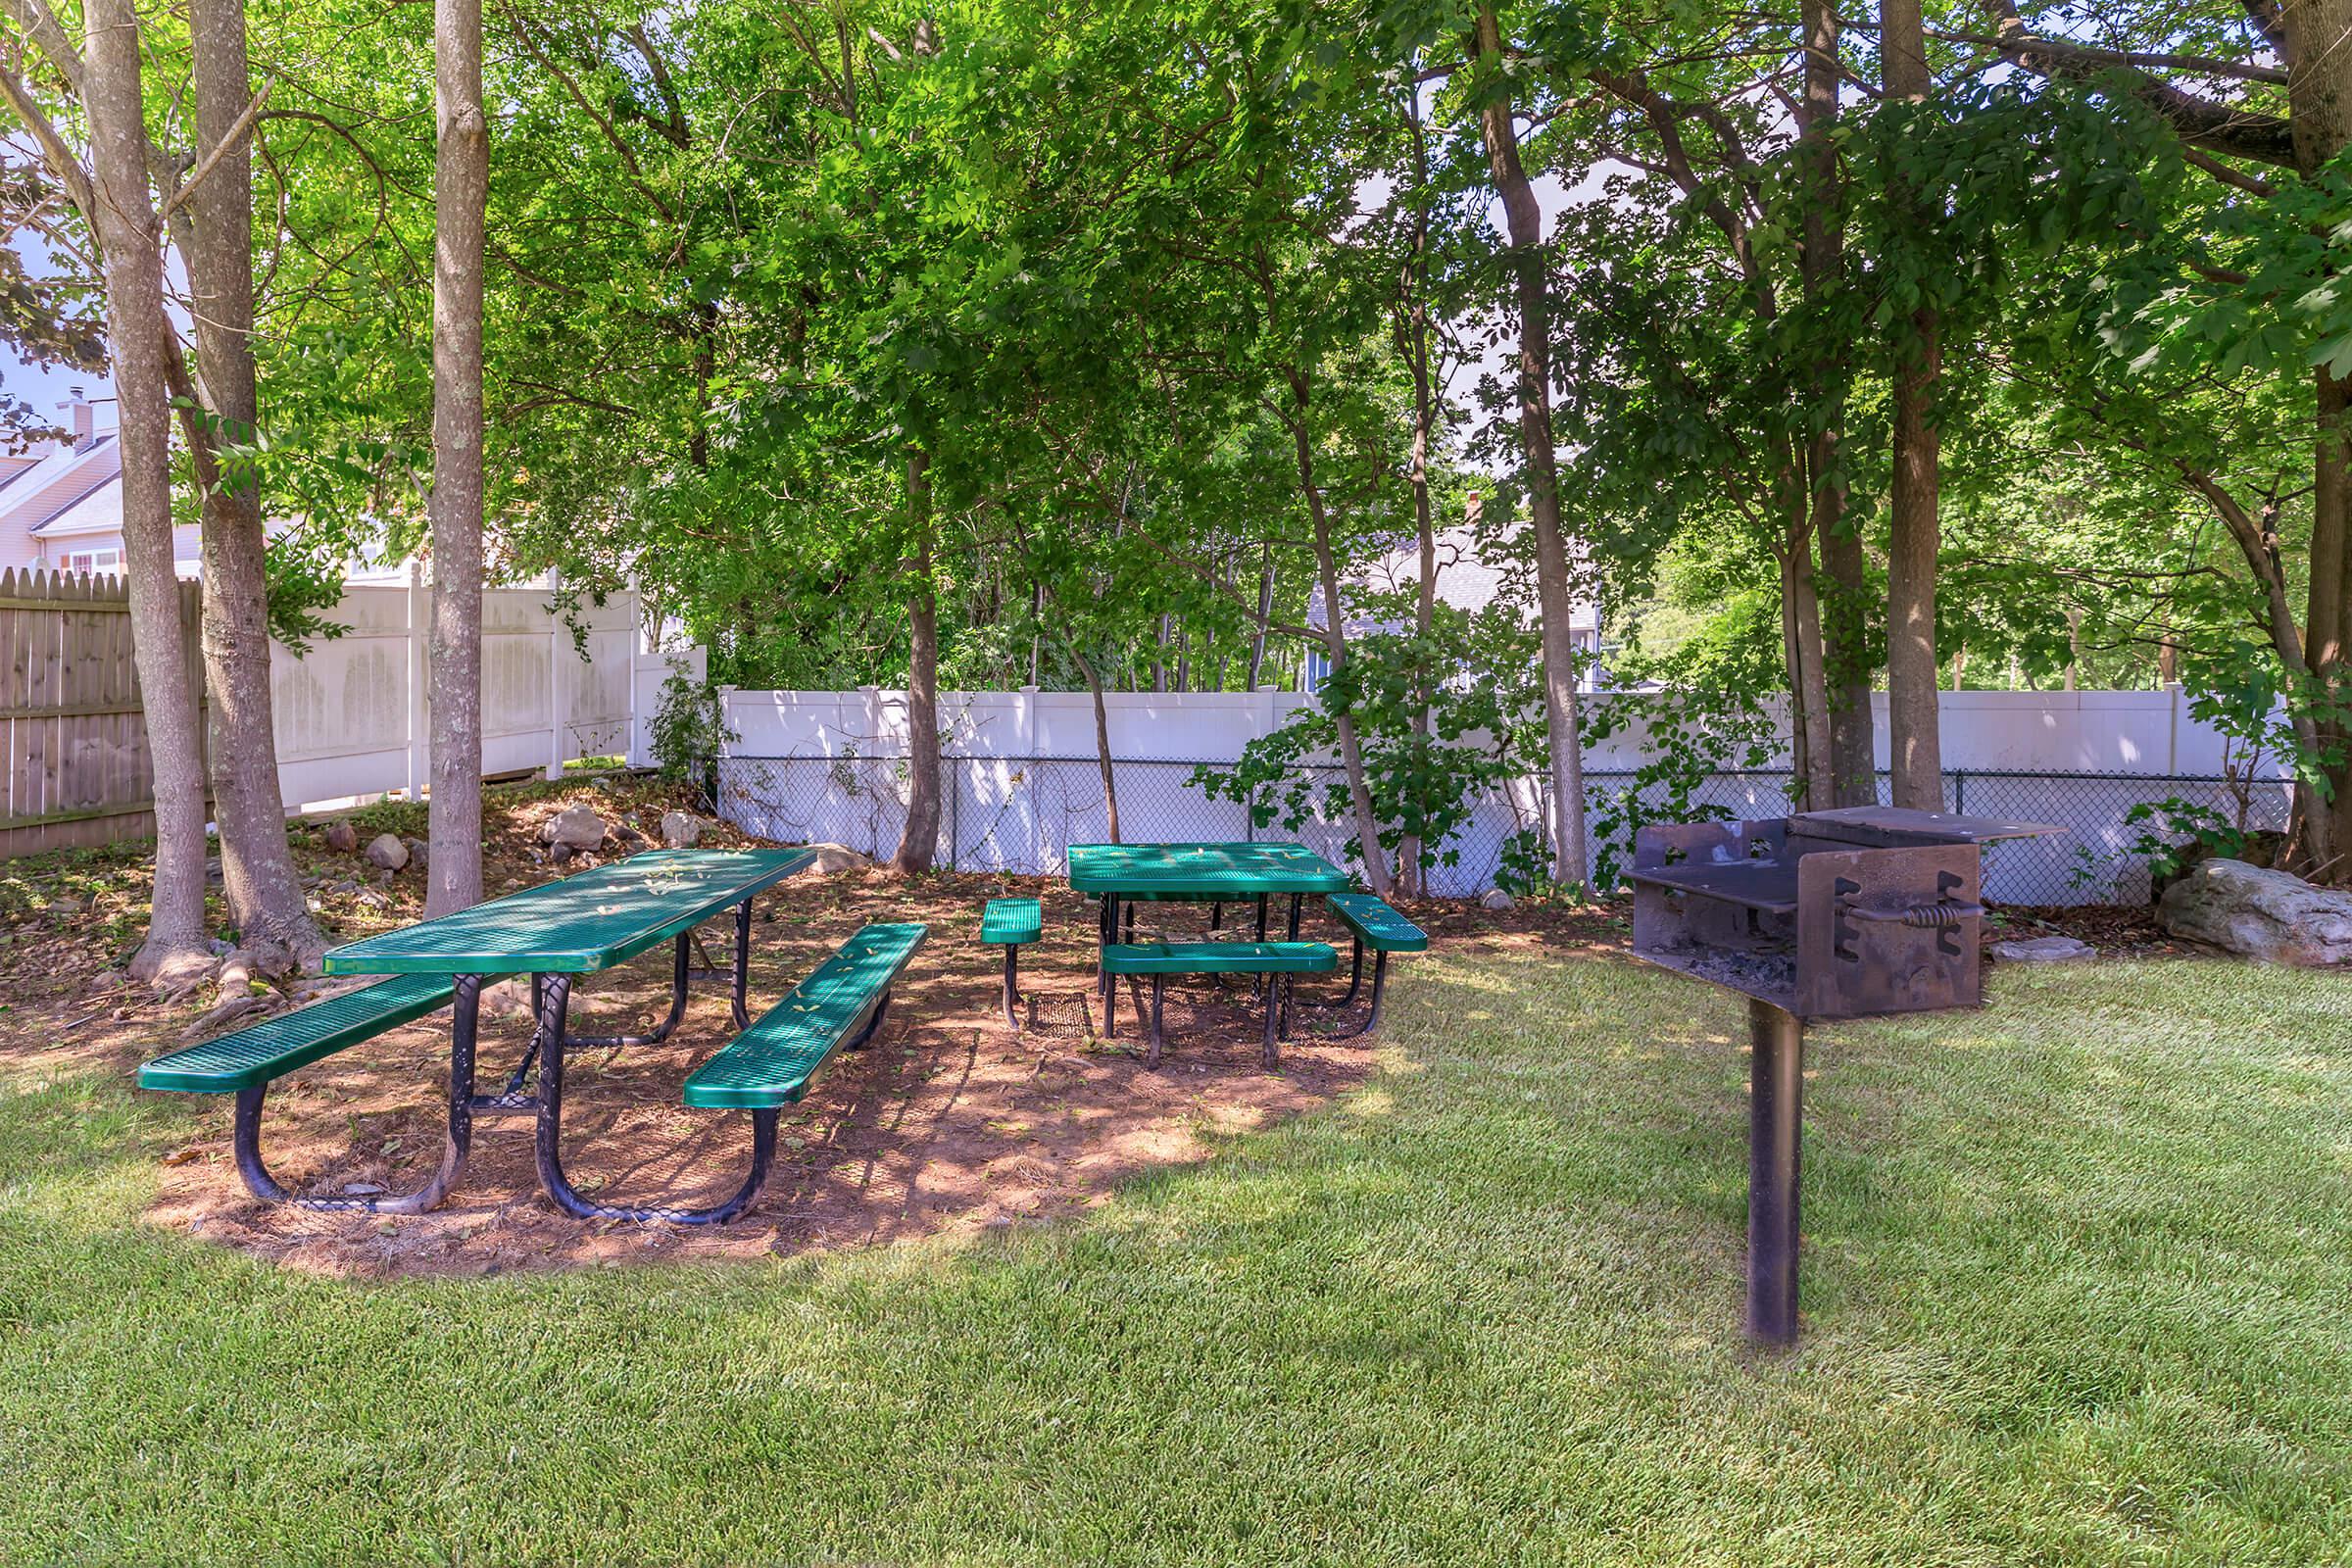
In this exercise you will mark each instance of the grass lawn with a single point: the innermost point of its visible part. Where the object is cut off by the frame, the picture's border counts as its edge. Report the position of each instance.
(2079, 1290)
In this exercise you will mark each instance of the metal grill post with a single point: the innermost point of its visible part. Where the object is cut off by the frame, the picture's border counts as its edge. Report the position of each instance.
(1775, 1118)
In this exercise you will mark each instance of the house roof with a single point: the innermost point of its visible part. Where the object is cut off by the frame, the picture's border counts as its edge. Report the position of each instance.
(33, 497)
(99, 512)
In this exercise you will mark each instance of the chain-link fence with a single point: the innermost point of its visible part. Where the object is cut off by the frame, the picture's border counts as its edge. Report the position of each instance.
(1021, 814)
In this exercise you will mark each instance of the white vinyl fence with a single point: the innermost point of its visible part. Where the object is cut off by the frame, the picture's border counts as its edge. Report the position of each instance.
(351, 712)
(1022, 781)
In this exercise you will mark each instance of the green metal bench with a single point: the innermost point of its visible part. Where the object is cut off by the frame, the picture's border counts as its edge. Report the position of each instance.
(1012, 924)
(840, 1005)
(1158, 960)
(248, 1061)
(1372, 924)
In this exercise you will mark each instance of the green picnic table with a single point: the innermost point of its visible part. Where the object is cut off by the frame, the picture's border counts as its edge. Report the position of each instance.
(551, 932)
(1215, 874)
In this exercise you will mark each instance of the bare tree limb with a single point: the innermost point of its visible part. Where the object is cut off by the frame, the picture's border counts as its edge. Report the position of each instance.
(211, 159)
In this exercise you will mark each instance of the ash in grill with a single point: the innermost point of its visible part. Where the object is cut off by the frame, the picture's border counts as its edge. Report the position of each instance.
(1848, 914)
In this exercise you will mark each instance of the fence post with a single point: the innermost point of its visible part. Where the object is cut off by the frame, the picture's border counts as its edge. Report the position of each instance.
(420, 623)
(1959, 792)
(555, 673)
(1031, 852)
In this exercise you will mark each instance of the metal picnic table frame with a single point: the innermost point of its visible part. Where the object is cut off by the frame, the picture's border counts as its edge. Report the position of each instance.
(1215, 874)
(582, 924)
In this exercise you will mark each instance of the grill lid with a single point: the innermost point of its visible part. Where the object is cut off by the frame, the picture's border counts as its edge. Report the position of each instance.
(1891, 826)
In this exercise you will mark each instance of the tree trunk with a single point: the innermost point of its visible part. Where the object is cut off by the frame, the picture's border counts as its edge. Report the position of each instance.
(1335, 645)
(1110, 782)
(1413, 282)
(1854, 775)
(2316, 37)
(1525, 220)
(264, 890)
(918, 845)
(1265, 614)
(1809, 744)
(461, 203)
(129, 241)
(1912, 705)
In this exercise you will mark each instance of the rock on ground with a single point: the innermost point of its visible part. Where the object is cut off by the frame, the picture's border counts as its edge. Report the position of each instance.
(575, 827)
(1495, 898)
(386, 853)
(342, 836)
(682, 830)
(831, 857)
(2269, 915)
(418, 852)
(2043, 950)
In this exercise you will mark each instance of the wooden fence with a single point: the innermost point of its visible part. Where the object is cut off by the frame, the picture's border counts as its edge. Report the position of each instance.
(73, 763)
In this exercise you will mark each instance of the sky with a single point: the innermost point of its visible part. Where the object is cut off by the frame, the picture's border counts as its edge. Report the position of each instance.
(41, 385)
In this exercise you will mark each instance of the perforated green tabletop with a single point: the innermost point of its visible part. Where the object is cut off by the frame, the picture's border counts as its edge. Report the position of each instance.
(1203, 870)
(582, 924)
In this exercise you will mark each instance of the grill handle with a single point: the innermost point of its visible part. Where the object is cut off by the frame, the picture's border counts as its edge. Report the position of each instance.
(1940, 916)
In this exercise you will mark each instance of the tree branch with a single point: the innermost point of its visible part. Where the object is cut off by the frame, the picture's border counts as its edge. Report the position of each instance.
(211, 159)
(2199, 121)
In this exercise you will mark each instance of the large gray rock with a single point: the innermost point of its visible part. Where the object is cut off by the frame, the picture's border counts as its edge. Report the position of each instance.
(2043, 950)
(386, 853)
(682, 830)
(575, 827)
(342, 836)
(2269, 915)
(1495, 898)
(832, 858)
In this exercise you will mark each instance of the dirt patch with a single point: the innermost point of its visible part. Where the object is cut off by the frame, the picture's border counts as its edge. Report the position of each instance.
(2117, 931)
(948, 1120)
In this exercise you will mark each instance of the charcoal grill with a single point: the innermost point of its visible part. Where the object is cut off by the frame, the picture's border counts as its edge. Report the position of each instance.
(1860, 912)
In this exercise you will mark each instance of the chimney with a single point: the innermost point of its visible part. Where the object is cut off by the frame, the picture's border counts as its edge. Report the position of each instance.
(82, 419)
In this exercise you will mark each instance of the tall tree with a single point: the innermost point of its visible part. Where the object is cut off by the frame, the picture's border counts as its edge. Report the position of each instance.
(1413, 334)
(1525, 220)
(130, 240)
(461, 199)
(918, 844)
(2281, 307)
(1912, 700)
(264, 891)
(1854, 775)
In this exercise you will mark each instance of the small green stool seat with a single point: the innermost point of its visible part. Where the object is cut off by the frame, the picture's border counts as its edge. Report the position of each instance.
(1012, 924)
(841, 1001)
(250, 1059)
(1161, 960)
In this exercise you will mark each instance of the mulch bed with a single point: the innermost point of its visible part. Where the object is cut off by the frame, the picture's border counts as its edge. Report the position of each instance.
(949, 1122)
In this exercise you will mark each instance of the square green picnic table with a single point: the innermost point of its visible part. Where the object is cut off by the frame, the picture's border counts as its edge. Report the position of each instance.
(1209, 873)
